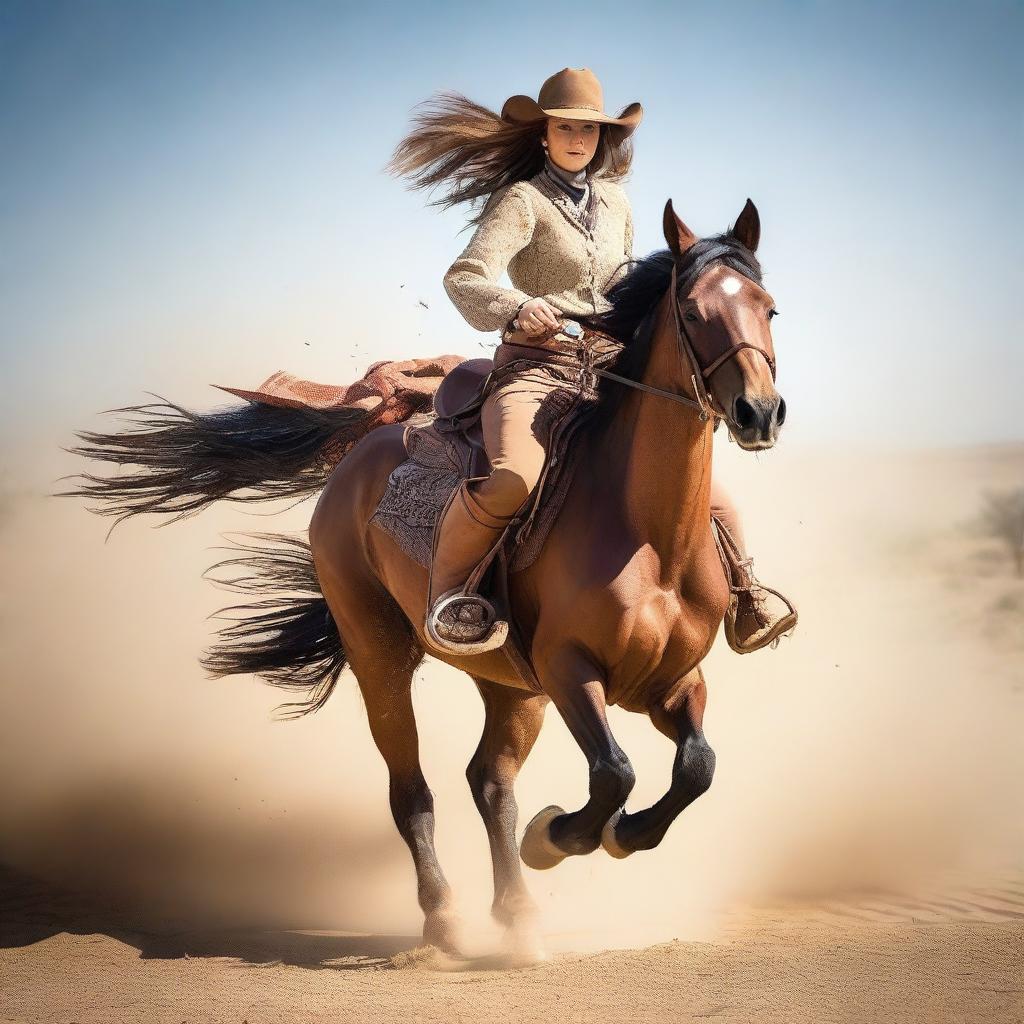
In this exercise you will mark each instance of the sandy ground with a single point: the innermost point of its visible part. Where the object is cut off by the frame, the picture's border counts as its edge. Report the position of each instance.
(883, 959)
(174, 854)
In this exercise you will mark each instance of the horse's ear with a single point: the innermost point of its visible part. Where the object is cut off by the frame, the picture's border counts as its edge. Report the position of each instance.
(677, 234)
(747, 228)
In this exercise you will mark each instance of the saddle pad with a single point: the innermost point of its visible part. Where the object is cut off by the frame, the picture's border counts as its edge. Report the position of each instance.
(418, 489)
(439, 459)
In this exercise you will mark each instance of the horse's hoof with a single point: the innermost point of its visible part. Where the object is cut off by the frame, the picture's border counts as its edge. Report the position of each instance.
(537, 850)
(443, 930)
(608, 840)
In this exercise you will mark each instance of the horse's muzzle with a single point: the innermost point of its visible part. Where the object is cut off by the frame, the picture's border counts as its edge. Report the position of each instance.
(756, 421)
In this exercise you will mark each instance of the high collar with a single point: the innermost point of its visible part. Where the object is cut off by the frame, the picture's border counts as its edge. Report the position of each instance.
(575, 179)
(579, 207)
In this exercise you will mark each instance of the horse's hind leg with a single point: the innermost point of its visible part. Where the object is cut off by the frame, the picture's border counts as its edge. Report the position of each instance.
(512, 721)
(681, 718)
(393, 725)
(383, 653)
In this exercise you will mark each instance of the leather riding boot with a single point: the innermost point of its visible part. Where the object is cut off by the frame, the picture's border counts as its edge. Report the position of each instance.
(757, 615)
(460, 623)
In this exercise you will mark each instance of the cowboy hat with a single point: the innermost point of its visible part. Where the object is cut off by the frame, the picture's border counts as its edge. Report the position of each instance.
(575, 94)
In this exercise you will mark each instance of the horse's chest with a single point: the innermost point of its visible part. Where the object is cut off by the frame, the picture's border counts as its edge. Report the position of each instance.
(654, 642)
(645, 621)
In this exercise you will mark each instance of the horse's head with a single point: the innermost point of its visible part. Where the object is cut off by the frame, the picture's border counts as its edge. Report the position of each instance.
(723, 316)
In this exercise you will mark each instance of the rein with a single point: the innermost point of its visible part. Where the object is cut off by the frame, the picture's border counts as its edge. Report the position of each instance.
(703, 401)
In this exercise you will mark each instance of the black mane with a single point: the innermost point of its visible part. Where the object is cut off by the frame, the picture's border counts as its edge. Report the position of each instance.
(636, 295)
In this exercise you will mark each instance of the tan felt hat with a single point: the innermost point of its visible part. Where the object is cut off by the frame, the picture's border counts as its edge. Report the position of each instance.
(575, 94)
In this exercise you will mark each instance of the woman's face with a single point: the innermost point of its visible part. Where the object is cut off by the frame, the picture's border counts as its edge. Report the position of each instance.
(572, 144)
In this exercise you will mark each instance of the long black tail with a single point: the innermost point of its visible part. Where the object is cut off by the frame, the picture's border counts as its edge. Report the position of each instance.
(188, 460)
(287, 636)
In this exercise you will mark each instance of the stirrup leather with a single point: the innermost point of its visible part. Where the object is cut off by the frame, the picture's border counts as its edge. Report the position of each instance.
(749, 600)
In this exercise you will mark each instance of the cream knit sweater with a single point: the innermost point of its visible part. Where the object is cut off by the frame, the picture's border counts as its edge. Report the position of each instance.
(539, 235)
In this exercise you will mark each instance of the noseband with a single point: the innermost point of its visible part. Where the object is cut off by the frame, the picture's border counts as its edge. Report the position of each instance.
(703, 400)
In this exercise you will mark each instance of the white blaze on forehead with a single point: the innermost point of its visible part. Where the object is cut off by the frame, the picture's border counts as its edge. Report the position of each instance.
(731, 285)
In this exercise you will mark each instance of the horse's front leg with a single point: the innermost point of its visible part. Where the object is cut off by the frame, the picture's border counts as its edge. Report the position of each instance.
(680, 716)
(578, 691)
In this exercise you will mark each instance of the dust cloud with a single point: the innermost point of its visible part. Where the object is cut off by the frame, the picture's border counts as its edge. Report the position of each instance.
(877, 748)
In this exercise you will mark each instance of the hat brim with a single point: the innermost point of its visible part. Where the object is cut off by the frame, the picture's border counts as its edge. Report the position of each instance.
(525, 109)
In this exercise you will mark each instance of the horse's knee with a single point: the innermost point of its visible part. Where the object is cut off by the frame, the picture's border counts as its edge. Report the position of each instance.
(697, 766)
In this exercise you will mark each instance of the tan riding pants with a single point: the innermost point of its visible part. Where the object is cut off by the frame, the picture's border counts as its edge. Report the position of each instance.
(509, 420)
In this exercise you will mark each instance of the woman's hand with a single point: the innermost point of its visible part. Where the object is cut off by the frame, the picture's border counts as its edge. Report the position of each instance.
(536, 317)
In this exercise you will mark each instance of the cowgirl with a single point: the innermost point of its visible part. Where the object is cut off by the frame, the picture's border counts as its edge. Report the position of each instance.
(558, 221)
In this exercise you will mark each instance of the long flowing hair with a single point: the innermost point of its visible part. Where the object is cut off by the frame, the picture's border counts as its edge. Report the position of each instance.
(469, 152)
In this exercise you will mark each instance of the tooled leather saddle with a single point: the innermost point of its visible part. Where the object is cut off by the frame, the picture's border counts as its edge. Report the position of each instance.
(446, 446)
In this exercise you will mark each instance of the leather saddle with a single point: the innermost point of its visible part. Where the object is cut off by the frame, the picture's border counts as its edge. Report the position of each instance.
(462, 387)
(458, 398)
(457, 403)
(447, 447)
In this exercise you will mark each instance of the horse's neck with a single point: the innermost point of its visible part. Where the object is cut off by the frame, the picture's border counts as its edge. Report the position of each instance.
(661, 462)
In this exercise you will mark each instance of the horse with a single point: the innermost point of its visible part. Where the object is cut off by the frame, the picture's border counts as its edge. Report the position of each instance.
(620, 607)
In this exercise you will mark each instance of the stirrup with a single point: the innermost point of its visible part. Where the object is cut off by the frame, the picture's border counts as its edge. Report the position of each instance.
(784, 623)
(464, 636)
(743, 585)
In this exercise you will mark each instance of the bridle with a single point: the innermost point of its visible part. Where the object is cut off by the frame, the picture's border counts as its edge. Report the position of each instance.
(703, 401)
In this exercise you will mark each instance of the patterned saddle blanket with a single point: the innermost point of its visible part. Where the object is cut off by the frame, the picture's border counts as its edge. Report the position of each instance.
(444, 451)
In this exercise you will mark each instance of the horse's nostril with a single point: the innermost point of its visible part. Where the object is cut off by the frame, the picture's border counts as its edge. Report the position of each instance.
(780, 413)
(745, 415)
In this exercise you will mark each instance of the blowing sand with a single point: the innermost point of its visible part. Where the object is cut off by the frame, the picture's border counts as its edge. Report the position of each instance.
(172, 853)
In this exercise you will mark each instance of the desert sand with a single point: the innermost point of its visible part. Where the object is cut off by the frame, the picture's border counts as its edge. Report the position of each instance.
(873, 961)
(173, 853)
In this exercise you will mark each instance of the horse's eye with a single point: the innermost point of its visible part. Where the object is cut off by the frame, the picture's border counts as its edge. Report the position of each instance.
(691, 316)
(772, 312)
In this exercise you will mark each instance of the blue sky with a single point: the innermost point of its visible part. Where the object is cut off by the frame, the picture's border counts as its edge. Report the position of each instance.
(193, 193)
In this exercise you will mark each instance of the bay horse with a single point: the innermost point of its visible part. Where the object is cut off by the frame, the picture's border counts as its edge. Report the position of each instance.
(620, 608)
